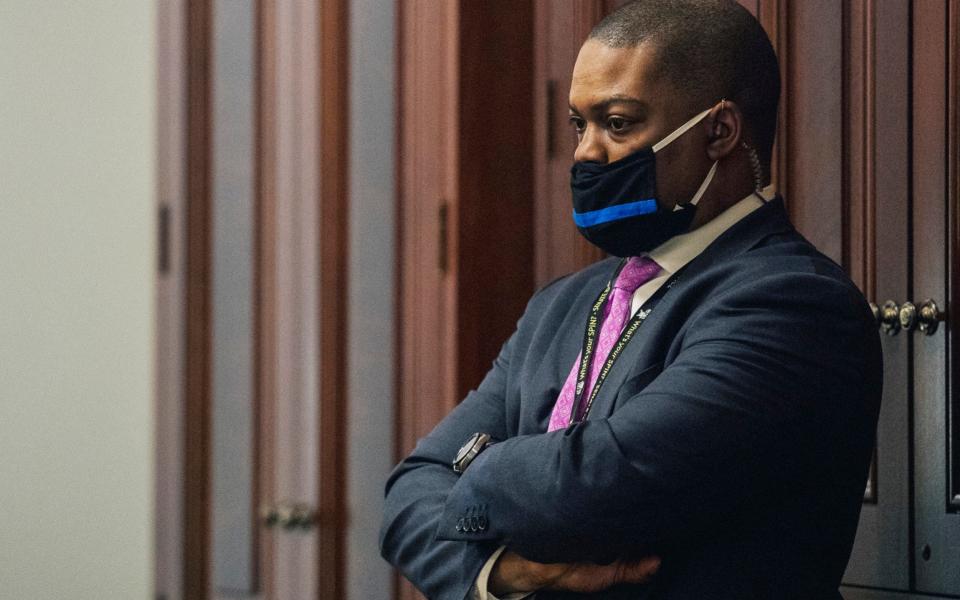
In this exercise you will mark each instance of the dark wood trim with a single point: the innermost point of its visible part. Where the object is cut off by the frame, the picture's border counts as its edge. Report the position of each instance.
(495, 213)
(953, 258)
(863, 185)
(197, 367)
(333, 144)
(773, 15)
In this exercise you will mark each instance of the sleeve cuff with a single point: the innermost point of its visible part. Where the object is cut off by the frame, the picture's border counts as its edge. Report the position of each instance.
(480, 585)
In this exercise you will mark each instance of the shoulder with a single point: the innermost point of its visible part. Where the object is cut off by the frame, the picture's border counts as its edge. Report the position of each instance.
(785, 288)
(567, 288)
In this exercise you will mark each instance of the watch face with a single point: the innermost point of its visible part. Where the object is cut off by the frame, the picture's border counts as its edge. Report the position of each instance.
(466, 447)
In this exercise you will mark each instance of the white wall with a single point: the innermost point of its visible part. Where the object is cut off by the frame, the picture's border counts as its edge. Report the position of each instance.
(77, 180)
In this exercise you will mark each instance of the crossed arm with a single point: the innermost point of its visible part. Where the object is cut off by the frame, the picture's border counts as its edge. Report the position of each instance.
(752, 383)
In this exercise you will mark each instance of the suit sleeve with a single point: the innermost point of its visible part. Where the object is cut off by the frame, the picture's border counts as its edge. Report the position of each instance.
(759, 378)
(418, 487)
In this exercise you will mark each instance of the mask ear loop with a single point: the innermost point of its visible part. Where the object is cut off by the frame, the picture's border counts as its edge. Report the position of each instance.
(703, 187)
(680, 130)
(713, 168)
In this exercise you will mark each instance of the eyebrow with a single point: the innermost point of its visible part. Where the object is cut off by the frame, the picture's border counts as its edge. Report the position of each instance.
(615, 99)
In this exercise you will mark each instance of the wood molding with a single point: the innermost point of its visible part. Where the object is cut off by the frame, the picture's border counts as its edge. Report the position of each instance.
(333, 81)
(265, 274)
(877, 221)
(953, 257)
(773, 15)
(197, 370)
(427, 161)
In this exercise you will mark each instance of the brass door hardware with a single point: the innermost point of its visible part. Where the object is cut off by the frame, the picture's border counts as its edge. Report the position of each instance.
(887, 316)
(289, 515)
(930, 316)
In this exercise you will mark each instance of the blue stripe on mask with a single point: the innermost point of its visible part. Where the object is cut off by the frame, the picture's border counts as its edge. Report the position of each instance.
(614, 213)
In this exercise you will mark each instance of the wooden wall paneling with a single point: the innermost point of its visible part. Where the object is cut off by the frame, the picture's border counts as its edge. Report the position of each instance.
(427, 130)
(301, 264)
(495, 210)
(937, 544)
(197, 370)
(953, 261)
(427, 160)
(332, 231)
(774, 15)
(465, 154)
(810, 140)
(752, 5)
(876, 190)
(265, 315)
(560, 30)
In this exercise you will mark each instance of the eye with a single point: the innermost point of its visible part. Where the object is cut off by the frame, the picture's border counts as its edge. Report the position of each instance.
(617, 124)
(578, 123)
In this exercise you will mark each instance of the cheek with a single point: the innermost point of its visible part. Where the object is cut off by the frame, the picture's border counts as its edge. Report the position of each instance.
(619, 148)
(669, 178)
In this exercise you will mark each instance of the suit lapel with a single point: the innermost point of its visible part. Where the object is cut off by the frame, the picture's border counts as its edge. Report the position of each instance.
(641, 353)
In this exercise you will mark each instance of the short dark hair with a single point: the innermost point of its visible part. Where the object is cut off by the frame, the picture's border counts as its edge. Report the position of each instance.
(708, 49)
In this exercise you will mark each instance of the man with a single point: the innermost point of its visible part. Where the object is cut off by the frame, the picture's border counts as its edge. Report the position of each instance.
(693, 421)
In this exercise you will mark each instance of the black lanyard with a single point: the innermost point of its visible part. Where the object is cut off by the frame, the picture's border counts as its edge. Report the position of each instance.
(590, 340)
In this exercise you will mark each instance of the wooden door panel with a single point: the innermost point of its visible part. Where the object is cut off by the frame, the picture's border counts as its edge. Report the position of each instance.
(811, 131)
(427, 155)
(560, 29)
(465, 137)
(937, 546)
(875, 180)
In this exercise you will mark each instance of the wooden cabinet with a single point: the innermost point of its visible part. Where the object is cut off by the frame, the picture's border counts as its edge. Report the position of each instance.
(935, 235)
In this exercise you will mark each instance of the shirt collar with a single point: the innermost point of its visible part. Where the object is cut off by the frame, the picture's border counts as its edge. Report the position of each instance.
(675, 253)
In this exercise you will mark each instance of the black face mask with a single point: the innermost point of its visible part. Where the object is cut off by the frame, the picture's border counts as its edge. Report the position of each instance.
(615, 204)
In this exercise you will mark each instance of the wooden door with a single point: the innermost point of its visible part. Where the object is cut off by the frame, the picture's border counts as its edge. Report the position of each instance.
(465, 199)
(264, 254)
(935, 194)
(302, 189)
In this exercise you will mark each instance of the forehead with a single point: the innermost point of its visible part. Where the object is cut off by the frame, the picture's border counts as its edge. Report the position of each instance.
(602, 72)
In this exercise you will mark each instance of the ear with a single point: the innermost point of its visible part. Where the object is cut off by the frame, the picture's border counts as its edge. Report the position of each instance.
(724, 129)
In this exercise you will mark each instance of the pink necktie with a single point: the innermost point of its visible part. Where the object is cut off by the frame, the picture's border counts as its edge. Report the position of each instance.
(637, 271)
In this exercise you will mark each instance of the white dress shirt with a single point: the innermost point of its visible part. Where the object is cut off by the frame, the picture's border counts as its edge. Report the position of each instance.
(672, 256)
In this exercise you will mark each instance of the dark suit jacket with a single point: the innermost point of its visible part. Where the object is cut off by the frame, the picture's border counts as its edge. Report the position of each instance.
(733, 437)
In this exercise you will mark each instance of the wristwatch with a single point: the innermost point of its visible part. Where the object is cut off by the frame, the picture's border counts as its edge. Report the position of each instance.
(474, 446)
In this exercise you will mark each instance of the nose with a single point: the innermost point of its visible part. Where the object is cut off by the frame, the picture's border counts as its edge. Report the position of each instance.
(590, 148)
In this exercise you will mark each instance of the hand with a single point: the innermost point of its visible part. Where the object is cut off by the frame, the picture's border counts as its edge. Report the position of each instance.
(513, 573)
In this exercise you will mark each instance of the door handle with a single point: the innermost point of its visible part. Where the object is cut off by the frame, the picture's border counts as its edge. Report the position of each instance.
(289, 515)
(887, 316)
(930, 316)
(908, 316)
(925, 317)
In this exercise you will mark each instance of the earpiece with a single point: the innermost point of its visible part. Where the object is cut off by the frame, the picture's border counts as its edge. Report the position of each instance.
(755, 165)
